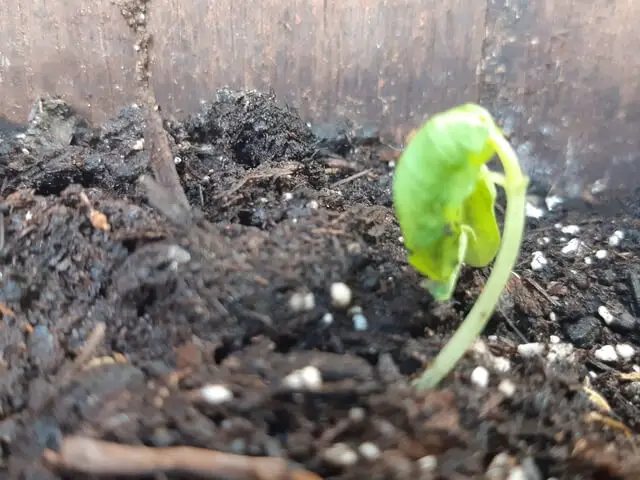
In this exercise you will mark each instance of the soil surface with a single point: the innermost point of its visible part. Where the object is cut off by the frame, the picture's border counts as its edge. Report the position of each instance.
(224, 334)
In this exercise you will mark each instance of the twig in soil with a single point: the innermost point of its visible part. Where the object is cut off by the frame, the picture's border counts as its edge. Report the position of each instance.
(163, 200)
(351, 178)
(593, 417)
(88, 456)
(135, 13)
(267, 173)
(542, 291)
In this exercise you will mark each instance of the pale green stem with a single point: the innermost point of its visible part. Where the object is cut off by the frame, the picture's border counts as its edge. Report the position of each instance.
(515, 185)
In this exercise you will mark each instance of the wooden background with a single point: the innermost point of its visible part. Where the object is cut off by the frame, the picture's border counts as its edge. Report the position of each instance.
(561, 76)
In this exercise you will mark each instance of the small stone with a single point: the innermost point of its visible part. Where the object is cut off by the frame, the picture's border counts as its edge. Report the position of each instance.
(553, 201)
(517, 473)
(614, 240)
(606, 354)
(302, 302)
(499, 467)
(507, 388)
(307, 378)
(369, 450)
(539, 261)
(216, 394)
(584, 332)
(428, 463)
(601, 254)
(532, 211)
(560, 352)
(340, 455)
(360, 322)
(570, 229)
(625, 351)
(531, 349)
(554, 338)
(287, 196)
(340, 295)
(605, 314)
(480, 377)
(138, 144)
(575, 246)
(327, 319)
(501, 364)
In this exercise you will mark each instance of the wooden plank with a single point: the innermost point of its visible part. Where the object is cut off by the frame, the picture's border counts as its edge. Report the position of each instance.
(387, 62)
(563, 76)
(384, 62)
(81, 50)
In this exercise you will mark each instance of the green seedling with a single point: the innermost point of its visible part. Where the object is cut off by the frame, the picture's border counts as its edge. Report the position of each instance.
(444, 198)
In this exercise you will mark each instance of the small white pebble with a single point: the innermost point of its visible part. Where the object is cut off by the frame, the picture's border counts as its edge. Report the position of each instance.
(570, 229)
(560, 352)
(539, 261)
(534, 212)
(369, 450)
(517, 473)
(593, 375)
(528, 350)
(554, 338)
(636, 368)
(287, 196)
(327, 319)
(625, 351)
(501, 364)
(544, 241)
(392, 164)
(599, 186)
(177, 160)
(492, 338)
(428, 463)
(28, 216)
(341, 455)
(507, 388)
(302, 302)
(553, 317)
(307, 378)
(606, 315)
(587, 260)
(313, 205)
(606, 354)
(360, 322)
(614, 240)
(216, 394)
(357, 414)
(138, 144)
(340, 295)
(480, 377)
(401, 239)
(557, 226)
(574, 246)
(553, 201)
(601, 254)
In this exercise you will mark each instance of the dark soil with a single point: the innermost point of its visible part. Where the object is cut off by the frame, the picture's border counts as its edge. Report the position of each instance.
(246, 302)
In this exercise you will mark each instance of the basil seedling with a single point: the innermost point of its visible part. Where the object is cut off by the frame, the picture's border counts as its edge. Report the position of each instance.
(444, 198)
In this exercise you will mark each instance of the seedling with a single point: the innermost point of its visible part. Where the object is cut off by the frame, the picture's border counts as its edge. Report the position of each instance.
(444, 197)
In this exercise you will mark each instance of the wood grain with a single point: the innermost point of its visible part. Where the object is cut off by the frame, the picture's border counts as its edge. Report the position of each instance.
(561, 76)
